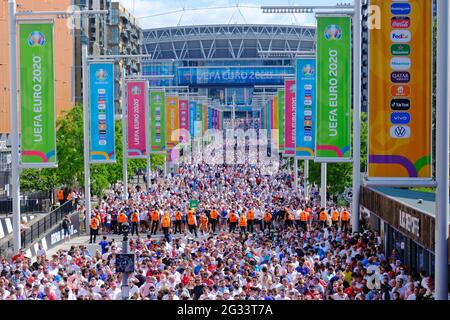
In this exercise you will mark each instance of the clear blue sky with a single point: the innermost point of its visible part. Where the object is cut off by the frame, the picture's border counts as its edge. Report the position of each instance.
(165, 13)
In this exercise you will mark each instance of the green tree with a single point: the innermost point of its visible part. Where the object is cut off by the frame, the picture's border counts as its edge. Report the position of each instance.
(70, 150)
(339, 175)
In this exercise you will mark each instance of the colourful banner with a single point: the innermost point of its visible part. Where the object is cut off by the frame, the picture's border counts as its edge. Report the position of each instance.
(268, 120)
(281, 113)
(210, 118)
(289, 118)
(172, 122)
(192, 117)
(306, 108)
(183, 115)
(158, 122)
(101, 95)
(199, 121)
(137, 106)
(401, 92)
(37, 96)
(205, 117)
(333, 137)
(276, 132)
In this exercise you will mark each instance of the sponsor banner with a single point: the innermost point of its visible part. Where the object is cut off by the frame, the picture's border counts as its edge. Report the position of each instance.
(101, 96)
(157, 121)
(205, 117)
(37, 96)
(263, 75)
(210, 118)
(199, 121)
(137, 106)
(333, 137)
(281, 113)
(306, 108)
(400, 81)
(183, 116)
(172, 122)
(275, 133)
(192, 117)
(289, 117)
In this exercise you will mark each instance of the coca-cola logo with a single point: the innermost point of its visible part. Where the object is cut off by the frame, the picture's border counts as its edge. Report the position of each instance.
(400, 22)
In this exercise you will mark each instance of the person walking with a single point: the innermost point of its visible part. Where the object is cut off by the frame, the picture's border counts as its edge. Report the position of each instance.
(66, 223)
(135, 223)
(94, 229)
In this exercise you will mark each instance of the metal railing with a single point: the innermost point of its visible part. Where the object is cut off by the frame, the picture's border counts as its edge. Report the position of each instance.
(38, 227)
(26, 206)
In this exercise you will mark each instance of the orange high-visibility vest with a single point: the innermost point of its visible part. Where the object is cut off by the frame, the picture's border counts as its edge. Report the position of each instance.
(267, 217)
(178, 216)
(94, 223)
(166, 221)
(250, 215)
(290, 216)
(335, 216)
(134, 217)
(344, 215)
(61, 195)
(303, 216)
(122, 218)
(190, 218)
(214, 214)
(155, 215)
(323, 216)
(233, 217)
(242, 221)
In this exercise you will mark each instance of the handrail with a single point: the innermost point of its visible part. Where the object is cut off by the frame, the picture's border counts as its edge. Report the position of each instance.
(26, 206)
(38, 227)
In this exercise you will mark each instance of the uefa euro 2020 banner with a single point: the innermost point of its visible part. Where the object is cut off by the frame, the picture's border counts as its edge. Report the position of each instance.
(157, 122)
(192, 117)
(37, 96)
(101, 95)
(281, 113)
(400, 82)
(289, 118)
(306, 108)
(137, 106)
(333, 138)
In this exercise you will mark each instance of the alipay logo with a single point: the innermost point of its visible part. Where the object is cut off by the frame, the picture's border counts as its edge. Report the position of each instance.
(36, 39)
(333, 32)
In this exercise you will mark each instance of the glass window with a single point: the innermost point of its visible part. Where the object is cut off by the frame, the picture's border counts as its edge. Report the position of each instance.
(114, 35)
(114, 16)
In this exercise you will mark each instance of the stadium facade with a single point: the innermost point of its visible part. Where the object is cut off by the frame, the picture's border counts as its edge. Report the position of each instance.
(229, 64)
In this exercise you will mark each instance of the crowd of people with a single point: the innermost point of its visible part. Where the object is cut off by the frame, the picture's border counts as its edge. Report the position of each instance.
(252, 237)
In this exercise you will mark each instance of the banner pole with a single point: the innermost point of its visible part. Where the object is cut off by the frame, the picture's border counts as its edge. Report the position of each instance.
(442, 153)
(306, 177)
(356, 115)
(296, 173)
(124, 136)
(87, 169)
(15, 170)
(323, 185)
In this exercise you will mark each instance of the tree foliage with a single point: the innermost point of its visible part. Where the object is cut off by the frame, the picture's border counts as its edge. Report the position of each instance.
(70, 151)
(339, 175)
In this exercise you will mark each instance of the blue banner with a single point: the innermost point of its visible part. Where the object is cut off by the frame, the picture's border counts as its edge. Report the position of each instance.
(306, 108)
(269, 129)
(263, 75)
(101, 95)
(210, 118)
(192, 117)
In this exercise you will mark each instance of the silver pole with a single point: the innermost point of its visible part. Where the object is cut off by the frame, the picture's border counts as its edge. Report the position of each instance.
(148, 171)
(15, 171)
(356, 115)
(442, 152)
(125, 288)
(323, 185)
(305, 177)
(296, 173)
(87, 169)
(124, 136)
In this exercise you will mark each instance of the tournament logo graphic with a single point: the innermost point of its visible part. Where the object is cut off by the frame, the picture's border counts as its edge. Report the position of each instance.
(308, 70)
(135, 91)
(157, 99)
(292, 88)
(101, 74)
(333, 32)
(36, 39)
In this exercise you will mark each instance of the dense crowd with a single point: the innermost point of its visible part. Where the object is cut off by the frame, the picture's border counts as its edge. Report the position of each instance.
(253, 237)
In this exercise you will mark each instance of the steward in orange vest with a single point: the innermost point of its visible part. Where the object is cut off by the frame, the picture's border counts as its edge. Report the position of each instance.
(155, 222)
(289, 218)
(323, 218)
(243, 223)
(303, 220)
(95, 223)
(344, 219)
(178, 219)
(250, 220)
(192, 223)
(134, 223)
(267, 222)
(335, 218)
(232, 221)
(213, 219)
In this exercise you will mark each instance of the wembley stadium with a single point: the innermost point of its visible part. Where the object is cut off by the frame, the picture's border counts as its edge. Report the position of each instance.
(229, 64)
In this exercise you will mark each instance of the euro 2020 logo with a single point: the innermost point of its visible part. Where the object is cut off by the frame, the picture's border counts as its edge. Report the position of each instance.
(36, 39)
(101, 74)
(333, 32)
(308, 70)
(135, 91)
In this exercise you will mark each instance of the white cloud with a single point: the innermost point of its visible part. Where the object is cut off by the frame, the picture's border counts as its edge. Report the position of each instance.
(163, 13)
